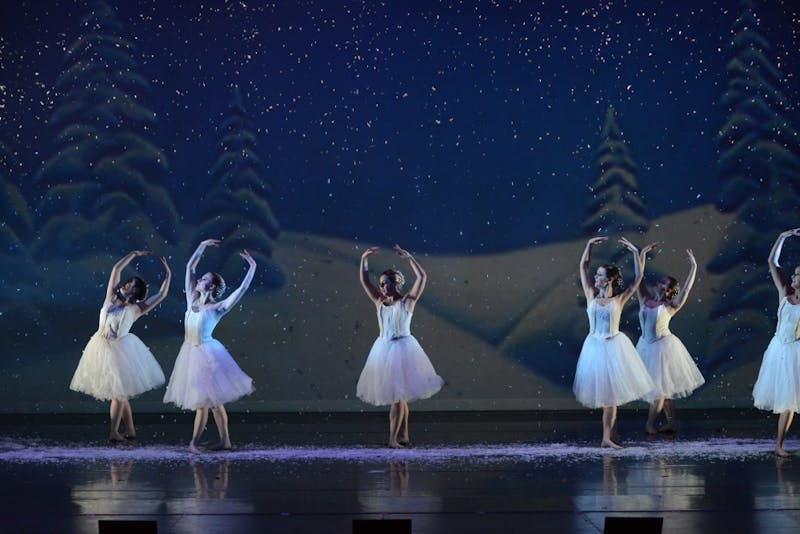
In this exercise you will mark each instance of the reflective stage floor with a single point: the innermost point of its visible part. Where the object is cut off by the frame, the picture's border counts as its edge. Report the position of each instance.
(466, 472)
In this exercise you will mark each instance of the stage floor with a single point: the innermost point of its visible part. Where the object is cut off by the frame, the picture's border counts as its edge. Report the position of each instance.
(466, 472)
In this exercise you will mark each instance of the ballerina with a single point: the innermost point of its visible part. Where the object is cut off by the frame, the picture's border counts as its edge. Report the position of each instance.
(115, 364)
(205, 375)
(778, 384)
(670, 366)
(397, 370)
(609, 370)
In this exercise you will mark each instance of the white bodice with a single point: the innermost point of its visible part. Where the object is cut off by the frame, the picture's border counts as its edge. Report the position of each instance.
(604, 318)
(199, 325)
(654, 322)
(788, 322)
(116, 321)
(394, 321)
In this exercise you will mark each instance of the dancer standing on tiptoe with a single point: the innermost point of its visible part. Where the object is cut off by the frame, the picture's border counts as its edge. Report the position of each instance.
(205, 375)
(670, 366)
(778, 384)
(115, 364)
(609, 370)
(397, 370)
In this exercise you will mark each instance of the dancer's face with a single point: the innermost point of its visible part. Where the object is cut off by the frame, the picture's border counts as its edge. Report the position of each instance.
(205, 284)
(796, 278)
(662, 286)
(126, 289)
(600, 278)
(387, 286)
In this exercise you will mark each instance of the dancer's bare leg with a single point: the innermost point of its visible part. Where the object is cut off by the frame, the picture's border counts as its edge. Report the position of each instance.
(115, 413)
(609, 421)
(200, 420)
(655, 410)
(784, 422)
(403, 430)
(395, 418)
(221, 420)
(127, 420)
(669, 411)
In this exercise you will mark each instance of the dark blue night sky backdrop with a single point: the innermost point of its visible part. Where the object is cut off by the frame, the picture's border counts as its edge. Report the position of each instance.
(468, 132)
(451, 127)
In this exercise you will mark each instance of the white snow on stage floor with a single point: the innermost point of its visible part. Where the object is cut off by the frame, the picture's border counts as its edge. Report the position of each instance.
(725, 449)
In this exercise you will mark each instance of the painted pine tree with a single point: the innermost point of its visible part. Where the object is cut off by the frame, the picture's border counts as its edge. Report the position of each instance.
(616, 206)
(19, 276)
(104, 187)
(17, 221)
(759, 170)
(237, 208)
(615, 210)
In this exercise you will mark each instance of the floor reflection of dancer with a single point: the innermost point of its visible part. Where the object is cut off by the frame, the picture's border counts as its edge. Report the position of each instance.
(670, 366)
(397, 369)
(609, 370)
(778, 384)
(205, 375)
(115, 364)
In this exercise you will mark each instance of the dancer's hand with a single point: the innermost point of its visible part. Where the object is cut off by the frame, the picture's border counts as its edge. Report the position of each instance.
(210, 242)
(793, 232)
(370, 251)
(401, 252)
(164, 263)
(597, 240)
(248, 258)
(138, 253)
(647, 248)
(628, 245)
(692, 259)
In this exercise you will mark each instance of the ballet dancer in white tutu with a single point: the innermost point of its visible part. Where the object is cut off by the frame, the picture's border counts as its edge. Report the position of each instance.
(397, 370)
(205, 375)
(609, 371)
(115, 364)
(670, 366)
(778, 384)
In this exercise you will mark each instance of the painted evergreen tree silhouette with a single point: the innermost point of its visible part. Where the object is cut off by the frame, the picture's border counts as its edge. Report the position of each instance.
(759, 169)
(104, 187)
(614, 210)
(19, 274)
(616, 206)
(16, 224)
(237, 208)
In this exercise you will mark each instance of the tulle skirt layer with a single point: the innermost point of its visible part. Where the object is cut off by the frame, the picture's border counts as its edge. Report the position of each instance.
(206, 376)
(778, 385)
(397, 370)
(610, 372)
(118, 369)
(670, 367)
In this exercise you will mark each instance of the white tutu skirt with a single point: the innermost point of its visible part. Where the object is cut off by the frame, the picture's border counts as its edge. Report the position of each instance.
(205, 376)
(397, 370)
(778, 384)
(610, 372)
(116, 369)
(670, 367)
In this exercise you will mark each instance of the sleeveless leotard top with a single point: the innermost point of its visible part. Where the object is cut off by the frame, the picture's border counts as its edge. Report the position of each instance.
(394, 321)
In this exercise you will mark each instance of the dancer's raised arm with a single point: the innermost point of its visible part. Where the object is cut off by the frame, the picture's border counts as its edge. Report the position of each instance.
(363, 275)
(780, 281)
(421, 278)
(156, 299)
(191, 265)
(638, 269)
(116, 271)
(683, 295)
(643, 292)
(224, 306)
(586, 277)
